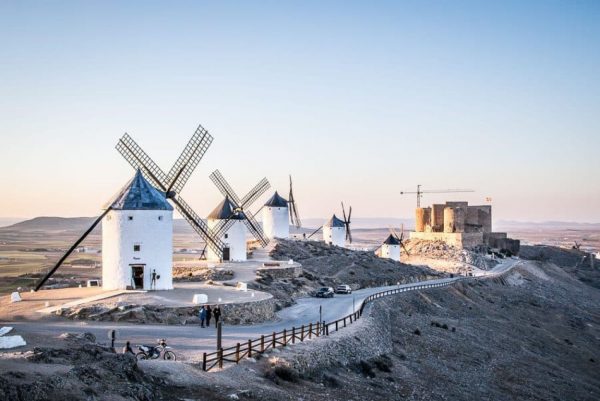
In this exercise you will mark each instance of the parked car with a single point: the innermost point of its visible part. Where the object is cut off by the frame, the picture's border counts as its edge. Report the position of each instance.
(343, 289)
(324, 292)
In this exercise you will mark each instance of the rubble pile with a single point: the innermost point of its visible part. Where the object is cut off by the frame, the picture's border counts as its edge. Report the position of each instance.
(440, 250)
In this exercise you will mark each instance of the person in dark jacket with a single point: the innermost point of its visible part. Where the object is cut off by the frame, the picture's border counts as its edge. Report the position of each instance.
(208, 315)
(202, 315)
(127, 348)
(217, 314)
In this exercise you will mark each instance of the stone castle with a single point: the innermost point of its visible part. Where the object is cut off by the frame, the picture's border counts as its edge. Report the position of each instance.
(461, 225)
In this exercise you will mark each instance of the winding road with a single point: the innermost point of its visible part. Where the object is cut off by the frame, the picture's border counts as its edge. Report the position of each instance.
(189, 342)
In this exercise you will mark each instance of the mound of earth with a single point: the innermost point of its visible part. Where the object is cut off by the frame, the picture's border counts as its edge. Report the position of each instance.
(582, 265)
(439, 250)
(327, 265)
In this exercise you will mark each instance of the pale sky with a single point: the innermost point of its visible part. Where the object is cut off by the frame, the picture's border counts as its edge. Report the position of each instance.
(357, 100)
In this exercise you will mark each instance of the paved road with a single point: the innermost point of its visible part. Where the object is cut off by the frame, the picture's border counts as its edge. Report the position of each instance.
(189, 342)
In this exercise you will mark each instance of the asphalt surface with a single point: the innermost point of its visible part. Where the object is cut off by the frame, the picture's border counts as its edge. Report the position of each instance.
(189, 342)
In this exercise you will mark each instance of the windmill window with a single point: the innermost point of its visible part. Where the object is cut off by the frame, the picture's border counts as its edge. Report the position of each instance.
(226, 235)
(129, 217)
(160, 218)
(137, 248)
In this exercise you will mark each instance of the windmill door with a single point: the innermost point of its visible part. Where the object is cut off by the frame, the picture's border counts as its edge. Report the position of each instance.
(226, 253)
(137, 273)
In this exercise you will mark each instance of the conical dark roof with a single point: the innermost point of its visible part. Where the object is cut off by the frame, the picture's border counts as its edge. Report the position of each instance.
(139, 194)
(391, 240)
(335, 222)
(276, 201)
(225, 210)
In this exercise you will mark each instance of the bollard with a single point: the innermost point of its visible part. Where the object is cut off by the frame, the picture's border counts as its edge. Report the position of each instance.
(219, 335)
(220, 357)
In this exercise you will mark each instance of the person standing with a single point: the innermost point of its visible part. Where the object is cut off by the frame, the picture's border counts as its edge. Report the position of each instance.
(153, 282)
(202, 315)
(208, 315)
(217, 314)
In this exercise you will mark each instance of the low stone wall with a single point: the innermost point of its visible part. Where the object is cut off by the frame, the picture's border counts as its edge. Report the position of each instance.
(282, 271)
(459, 240)
(234, 314)
(369, 337)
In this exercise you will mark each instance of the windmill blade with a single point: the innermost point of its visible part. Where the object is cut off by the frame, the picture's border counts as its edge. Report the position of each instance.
(314, 232)
(348, 233)
(198, 225)
(292, 209)
(223, 186)
(188, 159)
(255, 193)
(404, 247)
(138, 159)
(344, 212)
(222, 227)
(256, 230)
(71, 249)
(349, 214)
(294, 218)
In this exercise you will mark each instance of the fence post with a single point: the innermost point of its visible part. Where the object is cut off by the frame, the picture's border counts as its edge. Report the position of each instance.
(204, 362)
(350, 319)
(237, 353)
(274, 345)
(262, 343)
(220, 358)
(310, 331)
(318, 328)
(249, 348)
(326, 329)
(284, 337)
(344, 321)
(336, 325)
(294, 335)
(302, 334)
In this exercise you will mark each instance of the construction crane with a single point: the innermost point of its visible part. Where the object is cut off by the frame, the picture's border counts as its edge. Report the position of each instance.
(420, 192)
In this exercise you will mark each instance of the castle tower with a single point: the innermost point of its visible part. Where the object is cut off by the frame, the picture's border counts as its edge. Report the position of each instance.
(275, 217)
(234, 237)
(137, 239)
(334, 232)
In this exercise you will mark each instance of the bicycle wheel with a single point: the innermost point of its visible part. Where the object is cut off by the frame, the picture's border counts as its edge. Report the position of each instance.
(140, 356)
(169, 356)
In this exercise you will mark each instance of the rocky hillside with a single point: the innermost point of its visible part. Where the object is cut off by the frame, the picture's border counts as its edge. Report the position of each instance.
(334, 265)
(533, 335)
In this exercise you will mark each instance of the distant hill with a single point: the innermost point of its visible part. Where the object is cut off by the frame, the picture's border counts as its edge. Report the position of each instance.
(52, 224)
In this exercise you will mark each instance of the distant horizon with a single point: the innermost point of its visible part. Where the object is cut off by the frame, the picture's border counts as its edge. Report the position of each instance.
(8, 221)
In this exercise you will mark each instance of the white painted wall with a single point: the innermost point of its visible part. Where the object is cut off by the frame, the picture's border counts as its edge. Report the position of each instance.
(275, 222)
(334, 235)
(390, 251)
(235, 238)
(155, 238)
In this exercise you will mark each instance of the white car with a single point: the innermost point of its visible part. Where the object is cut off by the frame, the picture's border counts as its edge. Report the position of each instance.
(343, 289)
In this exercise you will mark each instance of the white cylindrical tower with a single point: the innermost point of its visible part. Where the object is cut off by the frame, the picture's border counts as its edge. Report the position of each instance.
(334, 232)
(391, 248)
(234, 237)
(275, 217)
(137, 239)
